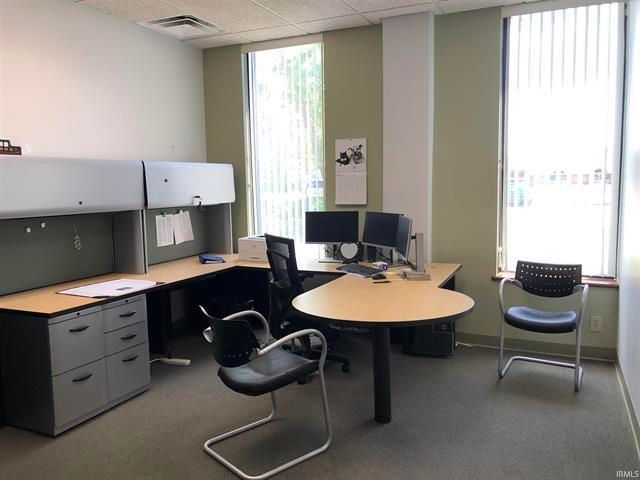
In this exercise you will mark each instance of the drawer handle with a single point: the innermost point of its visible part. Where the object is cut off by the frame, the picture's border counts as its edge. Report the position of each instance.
(83, 378)
(130, 359)
(128, 314)
(129, 337)
(79, 329)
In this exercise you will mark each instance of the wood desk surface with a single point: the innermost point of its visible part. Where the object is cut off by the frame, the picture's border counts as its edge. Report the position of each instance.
(356, 300)
(47, 302)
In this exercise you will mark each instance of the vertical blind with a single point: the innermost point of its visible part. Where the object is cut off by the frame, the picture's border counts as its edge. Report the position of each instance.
(287, 140)
(562, 137)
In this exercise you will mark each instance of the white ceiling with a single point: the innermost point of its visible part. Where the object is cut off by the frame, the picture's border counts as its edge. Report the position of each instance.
(245, 21)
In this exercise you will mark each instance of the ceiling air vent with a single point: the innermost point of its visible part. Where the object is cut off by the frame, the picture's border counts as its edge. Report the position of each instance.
(183, 27)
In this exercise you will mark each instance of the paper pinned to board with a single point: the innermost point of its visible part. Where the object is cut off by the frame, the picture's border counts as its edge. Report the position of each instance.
(164, 230)
(112, 288)
(182, 229)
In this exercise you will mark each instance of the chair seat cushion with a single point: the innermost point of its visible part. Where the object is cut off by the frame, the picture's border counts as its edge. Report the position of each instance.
(534, 320)
(267, 373)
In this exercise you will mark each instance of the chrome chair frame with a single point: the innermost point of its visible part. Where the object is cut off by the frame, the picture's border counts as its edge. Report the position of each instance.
(265, 348)
(579, 373)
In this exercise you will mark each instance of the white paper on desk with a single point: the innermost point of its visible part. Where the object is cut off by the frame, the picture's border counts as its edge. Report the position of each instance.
(182, 229)
(164, 230)
(112, 288)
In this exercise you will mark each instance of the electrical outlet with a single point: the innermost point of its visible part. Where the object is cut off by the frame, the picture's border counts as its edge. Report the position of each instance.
(596, 323)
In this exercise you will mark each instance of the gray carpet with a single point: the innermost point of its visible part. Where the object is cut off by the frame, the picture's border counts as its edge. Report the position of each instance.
(452, 420)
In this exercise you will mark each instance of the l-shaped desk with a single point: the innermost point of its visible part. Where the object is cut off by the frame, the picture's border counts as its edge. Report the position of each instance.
(347, 300)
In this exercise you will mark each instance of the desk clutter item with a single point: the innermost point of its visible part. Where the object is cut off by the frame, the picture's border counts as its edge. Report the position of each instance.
(253, 249)
(204, 258)
(112, 288)
(7, 149)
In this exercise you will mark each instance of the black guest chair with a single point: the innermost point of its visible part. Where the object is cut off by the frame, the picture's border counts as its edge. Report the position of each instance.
(284, 287)
(551, 281)
(252, 368)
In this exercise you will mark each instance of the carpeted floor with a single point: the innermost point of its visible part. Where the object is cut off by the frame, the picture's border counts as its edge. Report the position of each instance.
(452, 420)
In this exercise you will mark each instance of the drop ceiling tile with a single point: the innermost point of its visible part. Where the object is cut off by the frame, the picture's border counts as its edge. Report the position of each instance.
(376, 17)
(452, 6)
(272, 33)
(337, 23)
(218, 41)
(230, 15)
(375, 5)
(134, 10)
(307, 10)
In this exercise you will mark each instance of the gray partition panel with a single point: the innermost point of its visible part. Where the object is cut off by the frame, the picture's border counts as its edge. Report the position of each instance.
(48, 255)
(200, 244)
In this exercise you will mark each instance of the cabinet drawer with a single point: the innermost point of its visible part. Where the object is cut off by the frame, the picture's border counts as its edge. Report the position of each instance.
(127, 371)
(126, 337)
(76, 342)
(127, 312)
(79, 391)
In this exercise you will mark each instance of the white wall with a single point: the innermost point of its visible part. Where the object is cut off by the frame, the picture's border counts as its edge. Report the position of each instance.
(407, 50)
(75, 82)
(629, 268)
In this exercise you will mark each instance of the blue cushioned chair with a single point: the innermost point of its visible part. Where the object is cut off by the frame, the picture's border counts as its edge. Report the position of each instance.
(551, 281)
(253, 368)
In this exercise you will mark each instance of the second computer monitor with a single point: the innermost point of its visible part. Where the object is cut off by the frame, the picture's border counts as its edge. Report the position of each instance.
(403, 238)
(381, 229)
(331, 227)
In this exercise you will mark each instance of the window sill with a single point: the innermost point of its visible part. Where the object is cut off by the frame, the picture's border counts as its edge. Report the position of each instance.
(591, 281)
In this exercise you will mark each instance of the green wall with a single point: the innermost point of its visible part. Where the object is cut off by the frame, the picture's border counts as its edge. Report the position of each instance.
(353, 108)
(353, 105)
(465, 175)
(224, 122)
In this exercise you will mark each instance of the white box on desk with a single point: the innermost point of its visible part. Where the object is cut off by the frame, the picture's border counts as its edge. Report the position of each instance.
(252, 249)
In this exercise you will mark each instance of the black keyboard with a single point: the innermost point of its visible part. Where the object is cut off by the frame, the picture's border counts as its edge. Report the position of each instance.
(357, 269)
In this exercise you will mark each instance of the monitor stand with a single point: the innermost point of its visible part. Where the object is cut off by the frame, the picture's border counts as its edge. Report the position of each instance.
(332, 259)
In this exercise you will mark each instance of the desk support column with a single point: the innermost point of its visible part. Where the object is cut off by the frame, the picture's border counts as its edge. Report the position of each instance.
(381, 375)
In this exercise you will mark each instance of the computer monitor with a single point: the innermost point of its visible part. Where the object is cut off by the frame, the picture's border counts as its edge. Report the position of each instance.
(403, 238)
(381, 229)
(331, 227)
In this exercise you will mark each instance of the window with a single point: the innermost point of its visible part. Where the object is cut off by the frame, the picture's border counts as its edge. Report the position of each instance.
(562, 121)
(286, 137)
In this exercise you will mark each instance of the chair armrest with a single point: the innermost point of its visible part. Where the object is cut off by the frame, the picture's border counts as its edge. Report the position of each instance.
(504, 281)
(299, 333)
(584, 289)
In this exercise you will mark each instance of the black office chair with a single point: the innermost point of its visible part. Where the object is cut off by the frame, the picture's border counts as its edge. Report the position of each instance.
(284, 287)
(551, 281)
(254, 369)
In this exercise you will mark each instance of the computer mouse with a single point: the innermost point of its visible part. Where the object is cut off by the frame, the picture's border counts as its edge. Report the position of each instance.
(379, 276)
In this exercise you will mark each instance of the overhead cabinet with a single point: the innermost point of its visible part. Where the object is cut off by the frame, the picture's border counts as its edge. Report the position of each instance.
(182, 184)
(35, 187)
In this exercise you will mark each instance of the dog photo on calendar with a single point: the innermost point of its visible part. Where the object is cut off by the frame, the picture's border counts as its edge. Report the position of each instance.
(351, 155)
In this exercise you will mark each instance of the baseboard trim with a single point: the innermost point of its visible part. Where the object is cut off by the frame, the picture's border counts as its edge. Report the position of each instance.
(633, 417)
(544, 348)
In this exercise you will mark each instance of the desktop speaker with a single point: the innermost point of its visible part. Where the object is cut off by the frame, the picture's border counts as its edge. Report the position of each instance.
(438, 340)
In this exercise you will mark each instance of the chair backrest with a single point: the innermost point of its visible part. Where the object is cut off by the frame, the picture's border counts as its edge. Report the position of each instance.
(232, 342)
(547, 279)
(281, 253)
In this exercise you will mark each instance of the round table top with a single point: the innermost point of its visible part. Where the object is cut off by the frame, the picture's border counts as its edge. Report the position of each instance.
(356, 300)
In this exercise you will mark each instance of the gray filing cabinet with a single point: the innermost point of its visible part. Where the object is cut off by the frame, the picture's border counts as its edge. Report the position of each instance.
(61, 371)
